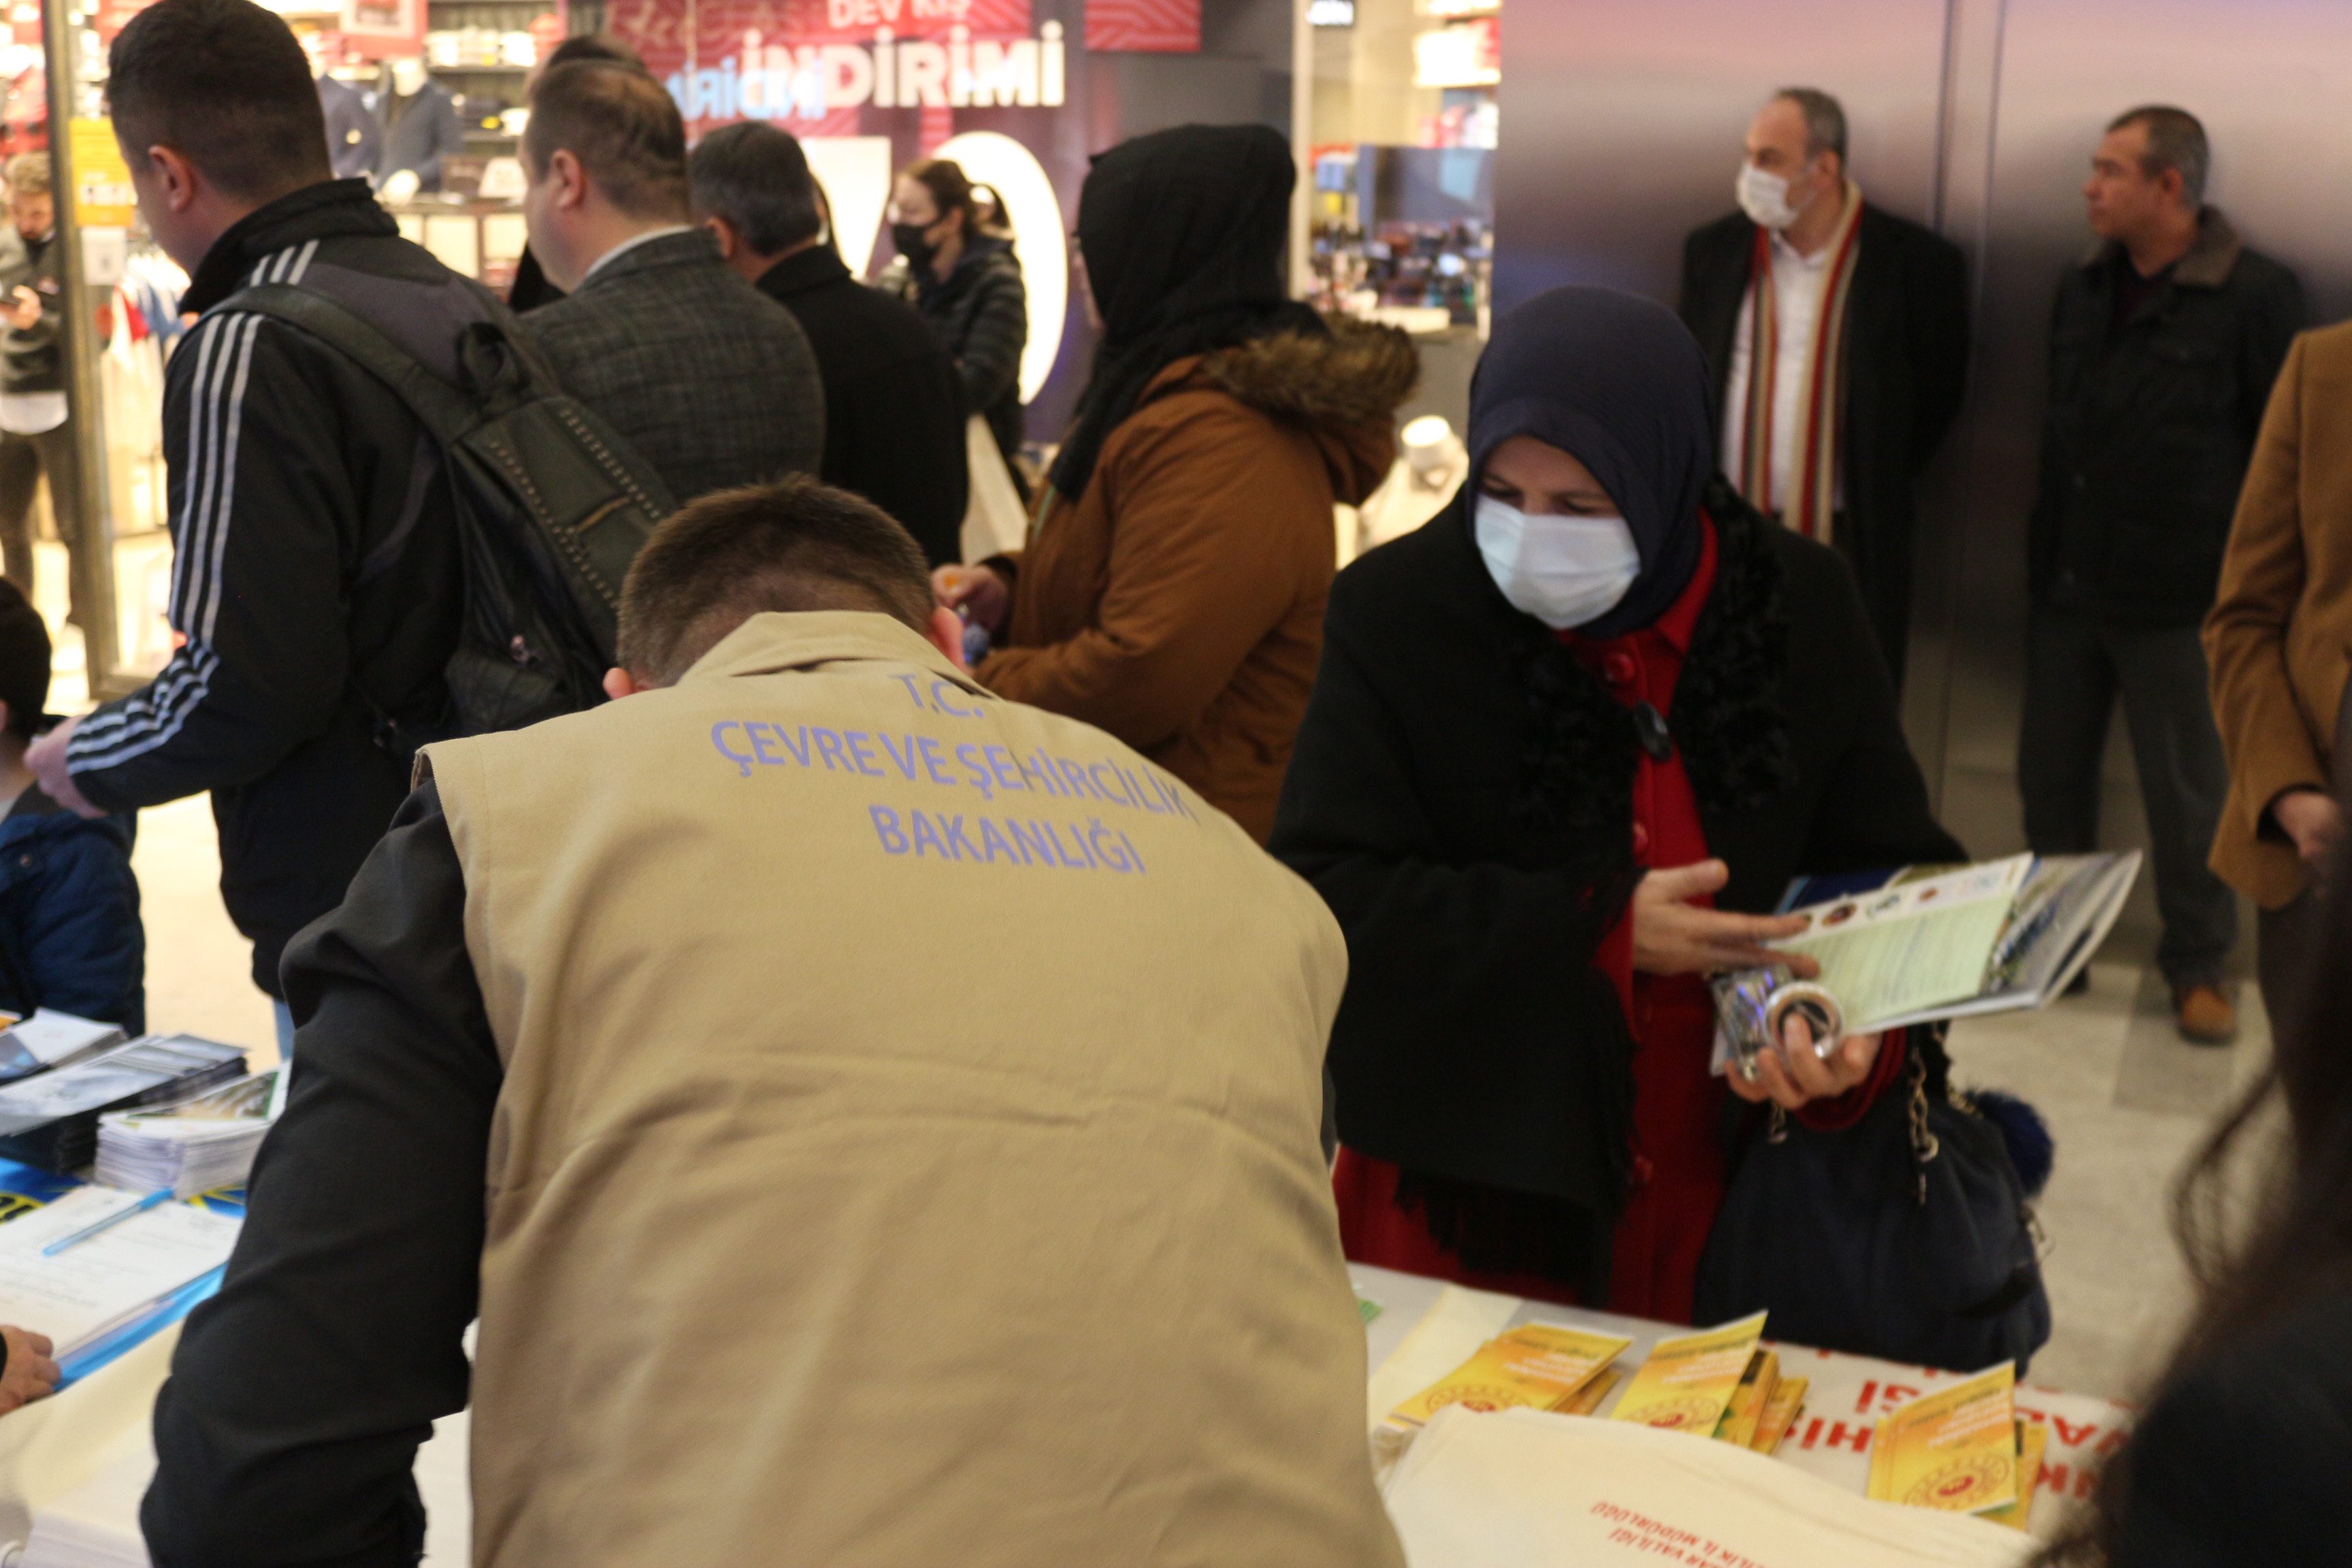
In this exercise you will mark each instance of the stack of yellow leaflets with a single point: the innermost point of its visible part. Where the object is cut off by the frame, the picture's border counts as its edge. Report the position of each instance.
(1587, 1400)
(1688, 1382)
(1539, 1365)
(2033, 1436)
(1956, 1449)
(1782, 1405)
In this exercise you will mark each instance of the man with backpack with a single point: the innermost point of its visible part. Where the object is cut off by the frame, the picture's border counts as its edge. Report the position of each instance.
(318, 585)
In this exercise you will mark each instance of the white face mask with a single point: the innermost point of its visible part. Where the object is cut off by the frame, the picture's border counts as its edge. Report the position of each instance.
(1563, 571)
(1764, 197)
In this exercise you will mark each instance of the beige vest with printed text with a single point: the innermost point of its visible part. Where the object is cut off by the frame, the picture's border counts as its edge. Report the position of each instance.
(906, 1154)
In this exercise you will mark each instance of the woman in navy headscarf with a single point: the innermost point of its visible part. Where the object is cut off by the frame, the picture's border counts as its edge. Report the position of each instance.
(1567, 743)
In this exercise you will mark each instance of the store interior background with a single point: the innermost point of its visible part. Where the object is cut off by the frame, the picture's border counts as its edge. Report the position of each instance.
(1457, 162)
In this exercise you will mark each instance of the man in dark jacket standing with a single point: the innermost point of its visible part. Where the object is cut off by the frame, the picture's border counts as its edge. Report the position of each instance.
(2163, 349)
(315, 581)
(893, 424)
(35, 435)
(712, 382)
(1808, 275)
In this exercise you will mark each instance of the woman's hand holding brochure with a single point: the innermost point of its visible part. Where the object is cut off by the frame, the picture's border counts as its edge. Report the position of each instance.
(1919, 944)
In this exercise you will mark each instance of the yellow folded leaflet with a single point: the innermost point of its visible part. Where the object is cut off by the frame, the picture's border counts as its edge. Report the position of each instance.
(1746, 1407)
(2032, 1437)
(1587, 1400)
(1688, 1382)
(1955, 1449)
(1781, 1408)
(1536, 1364)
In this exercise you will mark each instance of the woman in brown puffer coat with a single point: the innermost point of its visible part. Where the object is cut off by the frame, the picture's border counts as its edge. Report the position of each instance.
(1173, 592)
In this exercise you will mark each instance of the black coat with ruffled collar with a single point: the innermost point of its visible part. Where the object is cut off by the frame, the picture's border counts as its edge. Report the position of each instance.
(1461, 795)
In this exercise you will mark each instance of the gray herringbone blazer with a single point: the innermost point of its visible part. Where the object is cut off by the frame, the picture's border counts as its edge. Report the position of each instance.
(710, 379)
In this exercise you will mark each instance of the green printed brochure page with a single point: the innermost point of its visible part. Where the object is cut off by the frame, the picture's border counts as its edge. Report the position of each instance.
(1922, 942)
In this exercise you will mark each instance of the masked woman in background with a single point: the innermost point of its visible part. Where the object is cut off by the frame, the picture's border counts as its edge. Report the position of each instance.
(962, 275)
(1174, 593)
(1560, 735)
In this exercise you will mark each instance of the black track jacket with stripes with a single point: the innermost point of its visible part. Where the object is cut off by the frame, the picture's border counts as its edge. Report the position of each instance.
(315, 571)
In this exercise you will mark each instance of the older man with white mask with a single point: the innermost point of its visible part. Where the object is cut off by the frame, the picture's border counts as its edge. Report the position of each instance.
(1839, 334)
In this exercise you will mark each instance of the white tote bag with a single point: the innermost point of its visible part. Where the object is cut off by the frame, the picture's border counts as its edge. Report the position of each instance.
(1528, 1489)
(994, 517)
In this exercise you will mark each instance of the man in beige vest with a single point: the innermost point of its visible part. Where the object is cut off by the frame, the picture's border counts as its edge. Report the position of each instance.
(874, 1123)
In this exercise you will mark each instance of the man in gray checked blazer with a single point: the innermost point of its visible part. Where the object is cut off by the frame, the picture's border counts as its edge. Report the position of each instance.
(712, 382)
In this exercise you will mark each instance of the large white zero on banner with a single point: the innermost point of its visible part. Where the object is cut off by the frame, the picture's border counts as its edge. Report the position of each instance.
(855, 173)
(993, 158)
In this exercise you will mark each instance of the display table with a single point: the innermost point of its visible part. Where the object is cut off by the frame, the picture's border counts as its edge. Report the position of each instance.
(1427, 1328)
(72, 1468)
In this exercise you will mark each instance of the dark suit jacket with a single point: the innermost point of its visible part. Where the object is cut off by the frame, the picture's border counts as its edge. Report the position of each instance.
(354, 135)
(893, 413)
(712, 382)
(1906, 358)
(2151, 425)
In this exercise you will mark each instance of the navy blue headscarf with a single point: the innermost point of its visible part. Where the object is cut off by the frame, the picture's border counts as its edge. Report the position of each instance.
(1619, 384)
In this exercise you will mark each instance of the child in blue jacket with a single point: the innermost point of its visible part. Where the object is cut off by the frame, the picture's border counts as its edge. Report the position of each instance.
(70, 938)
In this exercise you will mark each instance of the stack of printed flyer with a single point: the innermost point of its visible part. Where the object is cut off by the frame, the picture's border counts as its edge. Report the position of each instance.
(1924, 943)
(50, 1120)
(47, 1039)
(1724, 1383)
(197, 1144)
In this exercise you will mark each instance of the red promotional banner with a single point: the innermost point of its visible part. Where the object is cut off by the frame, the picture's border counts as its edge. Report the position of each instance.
(813, 64)
(1148, 26)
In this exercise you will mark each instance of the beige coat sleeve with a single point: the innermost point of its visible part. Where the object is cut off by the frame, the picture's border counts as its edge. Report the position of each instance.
(2270, 746)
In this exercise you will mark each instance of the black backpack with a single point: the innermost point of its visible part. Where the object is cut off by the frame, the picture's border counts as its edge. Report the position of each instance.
(551, 506)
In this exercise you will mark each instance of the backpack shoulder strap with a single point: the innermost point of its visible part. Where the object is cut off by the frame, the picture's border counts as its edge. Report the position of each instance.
(444, 410)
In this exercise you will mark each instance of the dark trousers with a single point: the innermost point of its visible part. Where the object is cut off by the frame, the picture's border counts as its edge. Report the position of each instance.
(2289, 944)
(2076, 670)
(2291, 941)
(23, 460)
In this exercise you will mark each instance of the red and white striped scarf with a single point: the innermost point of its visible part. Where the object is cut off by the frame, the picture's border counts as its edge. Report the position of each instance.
(1813, 489)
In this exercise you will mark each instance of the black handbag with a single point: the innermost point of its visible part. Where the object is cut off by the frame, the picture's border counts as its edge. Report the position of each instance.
(1908, 1235)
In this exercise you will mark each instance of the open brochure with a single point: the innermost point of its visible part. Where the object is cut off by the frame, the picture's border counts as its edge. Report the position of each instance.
(1924, 944)
(112, 1277)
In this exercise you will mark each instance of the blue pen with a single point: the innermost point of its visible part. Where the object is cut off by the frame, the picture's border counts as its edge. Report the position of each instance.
(158, 1195)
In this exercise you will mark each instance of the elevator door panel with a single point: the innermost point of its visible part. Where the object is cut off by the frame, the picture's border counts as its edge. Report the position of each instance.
(1622, 123)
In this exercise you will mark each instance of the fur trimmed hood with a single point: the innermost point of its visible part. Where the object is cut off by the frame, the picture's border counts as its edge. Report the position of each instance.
(1361, 373)
(1344, 387)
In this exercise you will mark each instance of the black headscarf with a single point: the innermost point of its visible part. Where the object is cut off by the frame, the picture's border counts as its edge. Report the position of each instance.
(1183, 234)
(1619, 384)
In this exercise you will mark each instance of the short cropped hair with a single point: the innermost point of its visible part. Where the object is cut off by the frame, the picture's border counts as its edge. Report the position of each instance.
(594, 47)
(622, 125)
(2176, 140)
(225, 84)
(796, 545)
(28, 174)
(757, 178)
(1824, 119)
